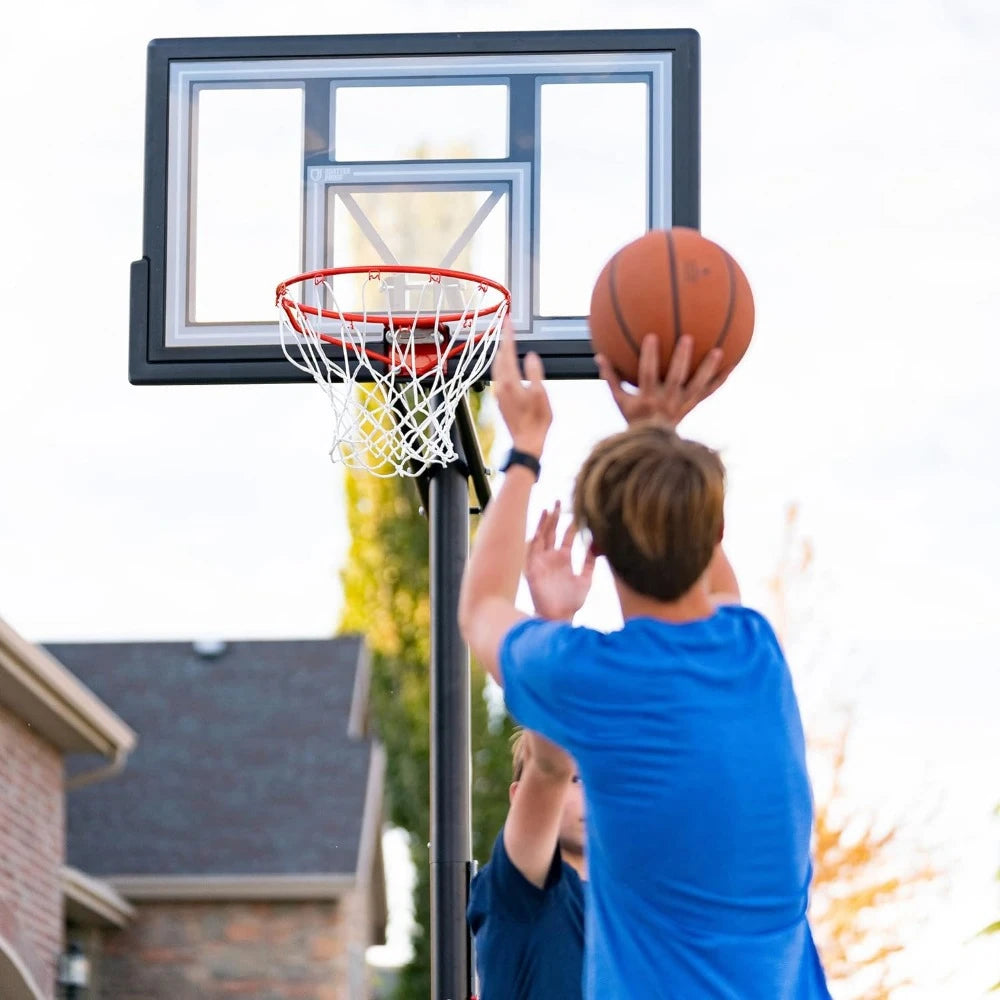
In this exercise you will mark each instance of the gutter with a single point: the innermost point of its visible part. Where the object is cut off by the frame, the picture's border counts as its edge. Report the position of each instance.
(91, 777)
(40, 691)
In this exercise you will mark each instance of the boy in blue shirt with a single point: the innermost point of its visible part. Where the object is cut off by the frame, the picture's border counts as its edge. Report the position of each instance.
(683, 724)
(526, 906)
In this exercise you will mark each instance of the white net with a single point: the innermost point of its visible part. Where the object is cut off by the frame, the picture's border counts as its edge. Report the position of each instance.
(395, 369)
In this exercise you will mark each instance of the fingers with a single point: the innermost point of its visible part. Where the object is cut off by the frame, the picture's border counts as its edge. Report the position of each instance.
(705, 375)
(537, 396)
(551, 523)
(680, 363)
(674, 395)
(544, 538)
(606, 372)
(569, 537)
(649, 364)
(505, 361)
(537, 539)
(715, 383)
(508, 349)
(534, 370)
(589, 561)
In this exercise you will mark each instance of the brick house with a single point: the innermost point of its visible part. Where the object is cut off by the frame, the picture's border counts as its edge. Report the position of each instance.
(245, 833)
(46, 715)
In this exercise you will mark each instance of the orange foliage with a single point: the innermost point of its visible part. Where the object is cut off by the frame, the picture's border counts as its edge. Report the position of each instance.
(862, 877)
(862, 874)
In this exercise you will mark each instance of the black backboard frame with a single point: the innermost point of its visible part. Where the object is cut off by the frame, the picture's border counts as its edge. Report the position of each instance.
(151, 362)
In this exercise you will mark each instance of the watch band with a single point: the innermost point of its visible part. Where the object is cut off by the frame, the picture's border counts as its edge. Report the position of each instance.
(516, 457)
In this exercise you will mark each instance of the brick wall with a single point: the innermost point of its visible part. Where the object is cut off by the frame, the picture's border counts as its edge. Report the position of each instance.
(32, 846)
(257, 951)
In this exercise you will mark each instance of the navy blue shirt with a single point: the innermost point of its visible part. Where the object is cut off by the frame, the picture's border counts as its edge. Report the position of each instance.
(529, 941)
(699, 812)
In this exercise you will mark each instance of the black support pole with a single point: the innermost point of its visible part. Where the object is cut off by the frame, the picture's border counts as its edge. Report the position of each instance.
(476, 467)
(450, 742)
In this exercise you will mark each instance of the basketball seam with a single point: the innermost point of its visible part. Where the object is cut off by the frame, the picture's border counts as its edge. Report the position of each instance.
(731, 307)
(675, 290)
(613, 290)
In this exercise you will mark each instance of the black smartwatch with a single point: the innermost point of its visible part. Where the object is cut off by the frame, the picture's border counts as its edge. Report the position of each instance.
(522, 458)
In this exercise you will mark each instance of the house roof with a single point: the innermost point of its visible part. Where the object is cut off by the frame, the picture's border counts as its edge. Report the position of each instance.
(43, 693)
(251, 762)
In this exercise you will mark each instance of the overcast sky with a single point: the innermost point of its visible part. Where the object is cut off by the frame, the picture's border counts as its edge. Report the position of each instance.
(850, 154)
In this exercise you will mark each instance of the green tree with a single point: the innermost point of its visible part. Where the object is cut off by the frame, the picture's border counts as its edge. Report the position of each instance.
(386, 589)
(386, 598)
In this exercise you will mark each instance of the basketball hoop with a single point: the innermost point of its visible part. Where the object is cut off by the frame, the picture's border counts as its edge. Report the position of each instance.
(396, 368)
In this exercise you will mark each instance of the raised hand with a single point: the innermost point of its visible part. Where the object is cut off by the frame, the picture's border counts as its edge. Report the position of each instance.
(524, 408)
(557, 590)
(669, 399)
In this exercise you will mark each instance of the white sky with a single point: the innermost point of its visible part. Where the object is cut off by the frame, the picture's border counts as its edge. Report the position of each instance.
(850, 154)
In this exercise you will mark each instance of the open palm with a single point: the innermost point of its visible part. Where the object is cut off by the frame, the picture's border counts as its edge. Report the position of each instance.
(557, 590)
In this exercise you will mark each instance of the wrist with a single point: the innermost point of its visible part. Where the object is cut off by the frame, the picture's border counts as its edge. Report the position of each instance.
(657, 418)
(529, 444)
(552, 611)
(521, 458)
(561, 616)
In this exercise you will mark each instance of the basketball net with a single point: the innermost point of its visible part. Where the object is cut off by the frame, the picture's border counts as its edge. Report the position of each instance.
(394, 377)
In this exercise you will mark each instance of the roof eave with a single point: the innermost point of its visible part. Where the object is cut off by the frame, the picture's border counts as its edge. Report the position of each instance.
(93, 901)
(43, 693)
(261, 888)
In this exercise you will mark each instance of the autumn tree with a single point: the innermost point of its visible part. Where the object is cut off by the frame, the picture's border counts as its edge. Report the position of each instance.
(994, 928)
(863, 873)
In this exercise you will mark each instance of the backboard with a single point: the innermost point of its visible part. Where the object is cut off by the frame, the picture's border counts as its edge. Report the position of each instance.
(528, 158)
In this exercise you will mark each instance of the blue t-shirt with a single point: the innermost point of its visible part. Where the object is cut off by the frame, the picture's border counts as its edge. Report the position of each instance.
(529, 941)
(699, 812)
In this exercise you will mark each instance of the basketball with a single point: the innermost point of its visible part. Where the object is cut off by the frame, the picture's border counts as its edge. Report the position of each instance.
(671, 282)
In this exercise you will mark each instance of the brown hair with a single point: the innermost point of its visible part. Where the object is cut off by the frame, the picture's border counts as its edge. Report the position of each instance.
(519, 753)
(653, 504)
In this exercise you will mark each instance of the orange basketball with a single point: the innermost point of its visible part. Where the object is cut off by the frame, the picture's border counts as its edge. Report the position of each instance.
(671, 282)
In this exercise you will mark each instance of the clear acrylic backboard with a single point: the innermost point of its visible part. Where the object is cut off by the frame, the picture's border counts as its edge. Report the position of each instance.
(528, 158)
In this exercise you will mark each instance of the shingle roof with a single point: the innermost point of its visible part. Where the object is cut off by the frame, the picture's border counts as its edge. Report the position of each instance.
(244, 764)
